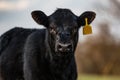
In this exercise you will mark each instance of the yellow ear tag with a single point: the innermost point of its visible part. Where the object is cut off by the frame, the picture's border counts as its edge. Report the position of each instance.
(87, 29)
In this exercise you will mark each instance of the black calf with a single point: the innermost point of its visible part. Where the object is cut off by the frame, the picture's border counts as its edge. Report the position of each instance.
(43, 54)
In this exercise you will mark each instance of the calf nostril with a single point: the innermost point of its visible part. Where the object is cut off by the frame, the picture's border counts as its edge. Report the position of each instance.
(59, 46)
(69, 46)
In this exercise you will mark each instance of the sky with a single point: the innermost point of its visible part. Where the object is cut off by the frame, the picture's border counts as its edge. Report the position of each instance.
(18, 12)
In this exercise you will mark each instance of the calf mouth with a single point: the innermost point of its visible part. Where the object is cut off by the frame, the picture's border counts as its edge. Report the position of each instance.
(64, 48)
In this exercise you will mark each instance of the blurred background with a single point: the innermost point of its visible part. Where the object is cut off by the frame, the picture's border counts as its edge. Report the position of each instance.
(97, 54)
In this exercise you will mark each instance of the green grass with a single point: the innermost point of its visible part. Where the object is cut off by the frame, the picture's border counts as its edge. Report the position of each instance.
(96, 77)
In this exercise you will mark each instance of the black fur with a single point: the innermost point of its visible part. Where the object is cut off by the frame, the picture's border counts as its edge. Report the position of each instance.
(12, 46)
(29, 54)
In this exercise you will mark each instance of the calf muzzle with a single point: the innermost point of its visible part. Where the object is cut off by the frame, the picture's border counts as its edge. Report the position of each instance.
(64, 47)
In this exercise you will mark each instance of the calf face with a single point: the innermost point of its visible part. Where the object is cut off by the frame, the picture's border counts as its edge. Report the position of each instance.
(62, 27)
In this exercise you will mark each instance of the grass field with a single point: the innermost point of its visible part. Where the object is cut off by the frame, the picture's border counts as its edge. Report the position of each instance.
(96, 77)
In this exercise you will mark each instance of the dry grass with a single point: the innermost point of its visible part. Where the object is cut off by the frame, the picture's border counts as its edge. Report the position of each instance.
(97, 77)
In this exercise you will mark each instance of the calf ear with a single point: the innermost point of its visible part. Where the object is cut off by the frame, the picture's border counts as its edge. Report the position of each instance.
(40, 18)
(88, 14)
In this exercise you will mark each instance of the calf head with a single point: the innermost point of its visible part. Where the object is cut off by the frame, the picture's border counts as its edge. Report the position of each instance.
(62, 28)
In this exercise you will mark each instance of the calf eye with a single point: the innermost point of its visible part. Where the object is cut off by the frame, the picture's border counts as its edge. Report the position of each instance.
(52, 30)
